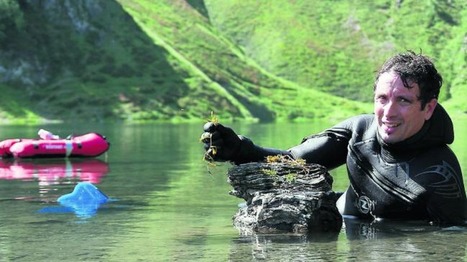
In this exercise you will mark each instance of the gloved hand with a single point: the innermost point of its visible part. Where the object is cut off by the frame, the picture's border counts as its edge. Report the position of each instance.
(221, 143)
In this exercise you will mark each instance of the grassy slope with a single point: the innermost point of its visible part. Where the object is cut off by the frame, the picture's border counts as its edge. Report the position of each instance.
(179, 60)
(345, 41)
(228, 70)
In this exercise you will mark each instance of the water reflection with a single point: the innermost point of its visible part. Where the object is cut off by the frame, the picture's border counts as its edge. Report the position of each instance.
(359, 240)
(278, 246)
(379, 229)
(53, 171)
(404, 241)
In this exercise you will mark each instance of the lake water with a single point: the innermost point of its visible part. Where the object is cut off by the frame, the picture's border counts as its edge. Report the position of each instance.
(170, 205)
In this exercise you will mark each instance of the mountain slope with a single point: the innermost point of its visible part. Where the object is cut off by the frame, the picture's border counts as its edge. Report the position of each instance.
(226, 69)
(179, 60)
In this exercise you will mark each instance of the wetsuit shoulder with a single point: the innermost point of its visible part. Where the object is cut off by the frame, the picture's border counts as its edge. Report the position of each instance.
(330, 147)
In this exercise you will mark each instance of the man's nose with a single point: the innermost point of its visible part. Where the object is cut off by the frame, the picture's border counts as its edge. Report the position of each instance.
(390, 108)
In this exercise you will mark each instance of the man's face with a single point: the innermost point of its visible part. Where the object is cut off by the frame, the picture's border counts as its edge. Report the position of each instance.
(398, 109)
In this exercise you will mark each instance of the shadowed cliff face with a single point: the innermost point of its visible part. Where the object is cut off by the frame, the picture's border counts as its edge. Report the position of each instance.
(66, 54)
(56, 38)
(31, 55)
(199, 6)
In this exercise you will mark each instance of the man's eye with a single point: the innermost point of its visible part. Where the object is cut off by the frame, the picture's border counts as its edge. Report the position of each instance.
(404, 101)
(380, 99)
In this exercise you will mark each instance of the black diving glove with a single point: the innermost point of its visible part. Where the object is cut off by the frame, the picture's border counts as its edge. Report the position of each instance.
(223, 144)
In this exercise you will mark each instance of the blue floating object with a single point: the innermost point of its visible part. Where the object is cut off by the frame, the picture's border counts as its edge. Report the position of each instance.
(84, 200)
(84, 193)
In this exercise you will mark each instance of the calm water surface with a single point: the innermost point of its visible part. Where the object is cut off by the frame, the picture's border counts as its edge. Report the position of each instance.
(172, 206)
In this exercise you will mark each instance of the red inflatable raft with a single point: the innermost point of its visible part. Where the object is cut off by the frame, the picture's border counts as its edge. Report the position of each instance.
(87, 145)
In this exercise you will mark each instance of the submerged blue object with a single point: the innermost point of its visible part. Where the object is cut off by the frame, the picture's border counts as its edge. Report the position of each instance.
(84, 200)
(83, 194)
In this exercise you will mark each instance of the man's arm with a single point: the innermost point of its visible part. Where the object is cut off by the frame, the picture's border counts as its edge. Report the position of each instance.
(330, 147)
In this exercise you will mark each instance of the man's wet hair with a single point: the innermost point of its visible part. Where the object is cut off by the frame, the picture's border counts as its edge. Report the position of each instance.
(415, 68)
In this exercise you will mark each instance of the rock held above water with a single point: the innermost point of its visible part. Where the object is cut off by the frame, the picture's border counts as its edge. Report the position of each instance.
(284, 196)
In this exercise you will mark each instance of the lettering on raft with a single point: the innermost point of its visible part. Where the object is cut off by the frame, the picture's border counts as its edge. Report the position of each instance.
(54, 147)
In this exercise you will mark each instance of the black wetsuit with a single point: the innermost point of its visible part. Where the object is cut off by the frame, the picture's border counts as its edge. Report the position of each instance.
(419, 178)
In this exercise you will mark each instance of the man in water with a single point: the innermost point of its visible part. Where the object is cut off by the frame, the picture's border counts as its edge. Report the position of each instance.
(398, 160)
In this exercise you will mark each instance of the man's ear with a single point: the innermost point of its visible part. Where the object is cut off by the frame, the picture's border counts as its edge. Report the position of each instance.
(430, 108)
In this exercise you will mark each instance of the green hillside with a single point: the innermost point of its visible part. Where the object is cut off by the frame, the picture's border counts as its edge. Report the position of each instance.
(176, 60)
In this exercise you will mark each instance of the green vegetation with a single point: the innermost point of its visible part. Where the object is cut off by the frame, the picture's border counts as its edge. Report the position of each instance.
(179, 60)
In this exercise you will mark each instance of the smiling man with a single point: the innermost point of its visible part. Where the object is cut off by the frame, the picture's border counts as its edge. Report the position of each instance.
(398, 108)
(399, 164)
